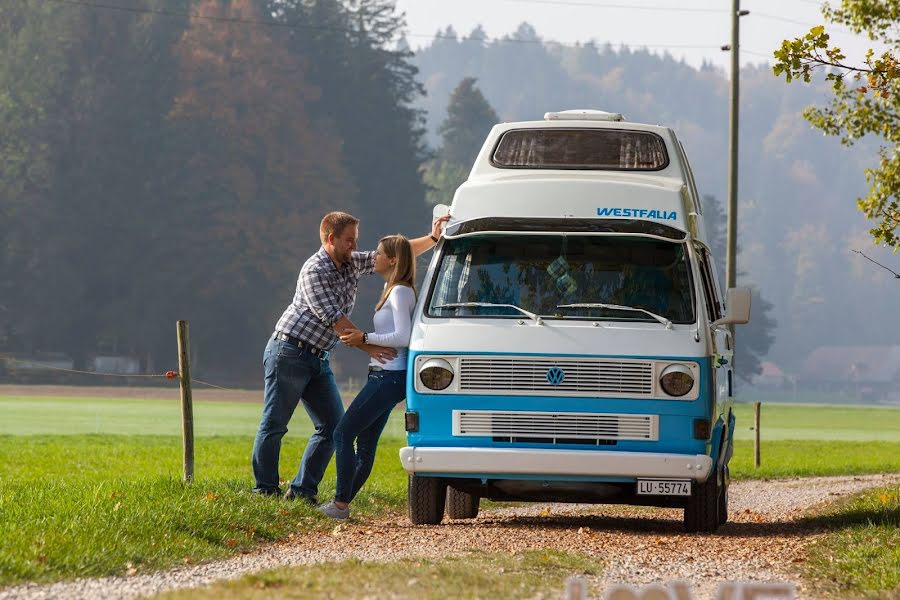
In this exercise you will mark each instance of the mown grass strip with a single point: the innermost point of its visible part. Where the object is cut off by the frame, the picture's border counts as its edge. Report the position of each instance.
(530, 574)
(861, 554)
(819, 422)
(49, 415)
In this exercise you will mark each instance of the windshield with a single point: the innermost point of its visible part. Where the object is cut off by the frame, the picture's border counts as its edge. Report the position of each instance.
(541, 273)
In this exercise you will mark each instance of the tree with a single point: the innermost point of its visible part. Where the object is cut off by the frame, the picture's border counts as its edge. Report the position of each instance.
(81, 130)
(468, 121)
(755, 338)
(254, 173)
(356, 56)
(442, 179)
(865, 98)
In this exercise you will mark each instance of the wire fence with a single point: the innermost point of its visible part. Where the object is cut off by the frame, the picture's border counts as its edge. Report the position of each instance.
(173, 375)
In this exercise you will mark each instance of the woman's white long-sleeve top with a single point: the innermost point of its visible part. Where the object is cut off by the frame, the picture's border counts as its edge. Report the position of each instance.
(393, 326)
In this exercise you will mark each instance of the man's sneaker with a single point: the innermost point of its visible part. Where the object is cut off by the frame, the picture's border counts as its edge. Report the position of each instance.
(331, 509)
(291, 495)
(266, 491)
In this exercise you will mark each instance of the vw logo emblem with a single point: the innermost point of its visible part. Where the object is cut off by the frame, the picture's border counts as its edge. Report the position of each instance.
(555, 376)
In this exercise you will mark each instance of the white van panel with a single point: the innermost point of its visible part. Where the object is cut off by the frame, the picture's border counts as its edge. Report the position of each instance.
(557, 337)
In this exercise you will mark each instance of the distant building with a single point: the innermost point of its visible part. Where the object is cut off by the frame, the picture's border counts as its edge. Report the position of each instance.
(770, 376)
(118, 365)
(869, 372)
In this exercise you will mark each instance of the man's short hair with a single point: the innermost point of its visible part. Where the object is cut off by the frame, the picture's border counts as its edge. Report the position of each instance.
(335, 223)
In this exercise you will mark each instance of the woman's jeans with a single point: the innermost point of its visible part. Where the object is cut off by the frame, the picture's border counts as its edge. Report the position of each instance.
(293, 375)
(363, 422)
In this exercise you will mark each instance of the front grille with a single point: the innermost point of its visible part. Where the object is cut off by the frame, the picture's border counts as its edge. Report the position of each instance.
(556, 426)
(583, 377)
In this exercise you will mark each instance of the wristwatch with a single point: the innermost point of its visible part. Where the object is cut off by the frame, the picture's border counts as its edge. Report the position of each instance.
(365, 338)
(434, 239)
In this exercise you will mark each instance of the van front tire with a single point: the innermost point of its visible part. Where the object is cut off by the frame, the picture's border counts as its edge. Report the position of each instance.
(701, 515)
(426, 498)
(723, 497)
(461, 505)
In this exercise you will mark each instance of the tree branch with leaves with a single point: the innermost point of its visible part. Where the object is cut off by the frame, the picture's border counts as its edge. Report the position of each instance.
(865, 99)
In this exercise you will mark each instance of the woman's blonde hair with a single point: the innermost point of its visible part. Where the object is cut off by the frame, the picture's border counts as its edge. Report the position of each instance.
(404, 273)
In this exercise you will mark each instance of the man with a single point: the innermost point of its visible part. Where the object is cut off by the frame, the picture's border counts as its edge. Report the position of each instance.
(296, 357)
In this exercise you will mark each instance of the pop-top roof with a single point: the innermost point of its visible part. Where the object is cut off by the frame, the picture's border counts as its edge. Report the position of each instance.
(583, 114)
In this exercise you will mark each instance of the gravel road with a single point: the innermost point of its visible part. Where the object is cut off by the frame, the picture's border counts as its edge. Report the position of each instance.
(762, 542)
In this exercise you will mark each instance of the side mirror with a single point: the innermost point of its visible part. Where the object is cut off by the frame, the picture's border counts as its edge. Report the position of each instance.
(440, 210)
(737, 307)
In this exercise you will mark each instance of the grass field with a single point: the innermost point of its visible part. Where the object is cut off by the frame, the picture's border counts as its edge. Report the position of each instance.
(823, 422)
(32, 415)
(103, 475)
(531, 574)
(860, 556)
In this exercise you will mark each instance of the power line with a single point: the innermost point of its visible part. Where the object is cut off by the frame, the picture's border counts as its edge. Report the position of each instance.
(622, 6)
(267, 23)
(762, 54)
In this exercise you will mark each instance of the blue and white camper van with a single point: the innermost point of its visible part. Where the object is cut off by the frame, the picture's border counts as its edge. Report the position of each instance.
(570, 343)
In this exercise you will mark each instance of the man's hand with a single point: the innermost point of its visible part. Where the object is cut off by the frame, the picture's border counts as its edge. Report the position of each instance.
(437, 229)
(352, 337)
(379, 353)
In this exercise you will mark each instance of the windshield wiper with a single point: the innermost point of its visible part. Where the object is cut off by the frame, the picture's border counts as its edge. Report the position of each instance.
(528, 313)
(659, 318)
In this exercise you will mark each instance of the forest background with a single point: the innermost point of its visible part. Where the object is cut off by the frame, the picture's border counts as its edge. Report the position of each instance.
(156, 167)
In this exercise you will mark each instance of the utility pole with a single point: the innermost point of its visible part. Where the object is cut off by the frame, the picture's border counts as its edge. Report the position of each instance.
(731, 252)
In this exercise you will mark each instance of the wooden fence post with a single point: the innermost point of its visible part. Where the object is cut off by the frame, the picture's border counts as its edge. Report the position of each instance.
(756, 406)
(187, 404)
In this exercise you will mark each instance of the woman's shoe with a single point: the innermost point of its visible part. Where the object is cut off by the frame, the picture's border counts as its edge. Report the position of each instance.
(330, 509)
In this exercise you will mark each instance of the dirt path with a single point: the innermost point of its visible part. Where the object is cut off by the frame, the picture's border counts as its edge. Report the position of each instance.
(762, 542)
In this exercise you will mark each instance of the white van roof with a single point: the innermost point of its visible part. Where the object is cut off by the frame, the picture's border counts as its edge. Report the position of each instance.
(666, 195)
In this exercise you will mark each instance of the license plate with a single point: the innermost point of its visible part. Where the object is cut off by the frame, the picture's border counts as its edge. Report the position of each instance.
(655, 487)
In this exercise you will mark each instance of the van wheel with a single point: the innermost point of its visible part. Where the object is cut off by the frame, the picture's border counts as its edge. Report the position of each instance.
(702, 511)
(723, 497)
(426, 500)
(461, 505)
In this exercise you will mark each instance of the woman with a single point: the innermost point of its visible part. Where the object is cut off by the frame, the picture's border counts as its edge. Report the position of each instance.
(386, 387)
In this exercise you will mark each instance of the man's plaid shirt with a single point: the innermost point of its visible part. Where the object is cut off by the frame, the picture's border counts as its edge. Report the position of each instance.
(324, 295)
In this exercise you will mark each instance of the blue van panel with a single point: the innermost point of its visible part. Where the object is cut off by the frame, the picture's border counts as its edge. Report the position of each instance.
(676, 417)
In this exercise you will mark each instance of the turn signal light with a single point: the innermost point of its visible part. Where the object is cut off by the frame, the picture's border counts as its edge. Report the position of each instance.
(412, 421)
(701, 429)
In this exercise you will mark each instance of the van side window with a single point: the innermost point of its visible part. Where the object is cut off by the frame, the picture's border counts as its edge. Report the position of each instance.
(713, 303)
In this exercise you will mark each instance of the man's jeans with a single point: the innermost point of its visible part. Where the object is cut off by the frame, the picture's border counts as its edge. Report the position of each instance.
(293, 375)
(364, 422)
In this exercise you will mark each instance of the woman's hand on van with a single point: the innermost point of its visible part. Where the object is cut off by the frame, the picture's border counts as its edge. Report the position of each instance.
(437, 226)
(352, 337)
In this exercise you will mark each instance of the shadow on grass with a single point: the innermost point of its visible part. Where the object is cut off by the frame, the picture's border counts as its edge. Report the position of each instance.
(889, 517)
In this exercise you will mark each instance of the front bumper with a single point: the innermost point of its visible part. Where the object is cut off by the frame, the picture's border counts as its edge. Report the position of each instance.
(555, 463)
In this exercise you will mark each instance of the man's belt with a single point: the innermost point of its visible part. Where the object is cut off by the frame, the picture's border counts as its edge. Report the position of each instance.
(323, 354)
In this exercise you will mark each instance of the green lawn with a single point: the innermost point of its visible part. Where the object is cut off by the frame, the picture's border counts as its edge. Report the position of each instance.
(40, 415)
(530, 574)
(860, 554)
(92, 505)
(819, 422)
(78, 500)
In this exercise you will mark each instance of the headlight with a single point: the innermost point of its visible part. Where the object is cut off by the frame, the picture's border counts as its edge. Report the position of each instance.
(676, 380)
(436, 374)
